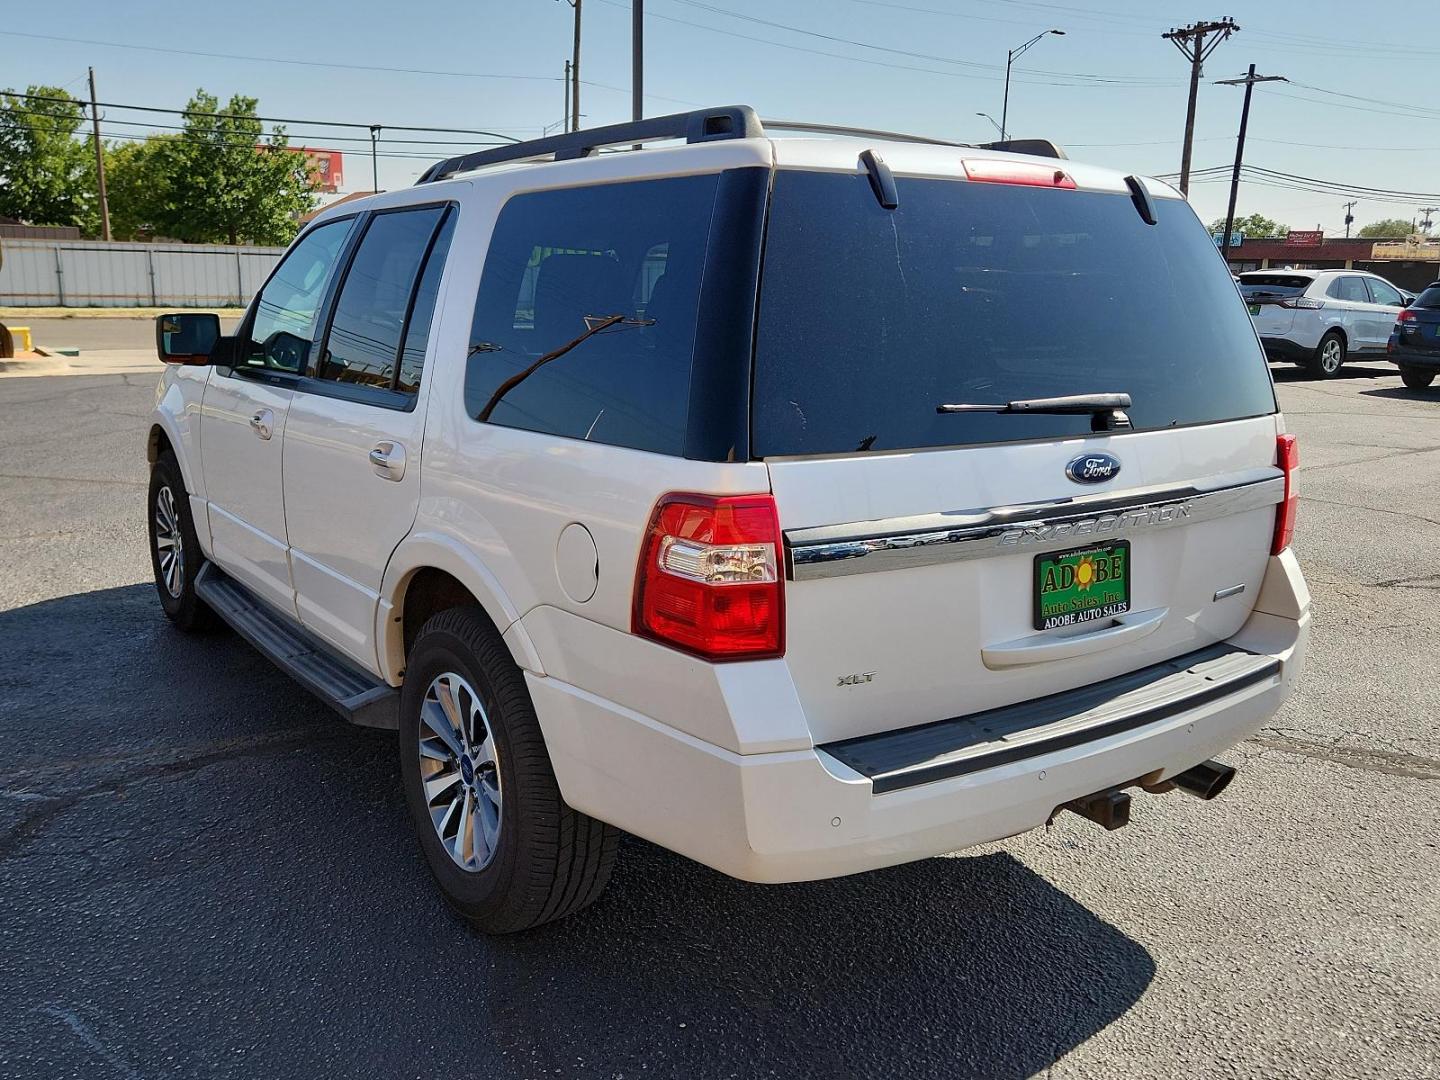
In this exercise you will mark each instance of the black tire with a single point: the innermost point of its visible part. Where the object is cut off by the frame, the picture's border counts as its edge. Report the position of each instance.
(183, 607)
(1329, 356)
(549, 861)
(1417, 378)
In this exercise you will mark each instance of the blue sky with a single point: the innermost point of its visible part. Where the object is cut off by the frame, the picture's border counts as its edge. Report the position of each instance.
(1110, 91)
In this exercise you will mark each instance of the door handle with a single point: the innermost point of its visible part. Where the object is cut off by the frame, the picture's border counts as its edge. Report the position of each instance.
(388, 460)
(262, 423)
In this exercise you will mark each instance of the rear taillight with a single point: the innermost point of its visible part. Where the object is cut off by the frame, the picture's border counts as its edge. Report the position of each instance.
(1302, 302)
(1287, 456)
(1025, 173)
(709, 577)
(1406, 315)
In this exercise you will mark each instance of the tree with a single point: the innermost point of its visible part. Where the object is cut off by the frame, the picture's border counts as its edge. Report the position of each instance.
(135, 187)
(1397, 227)
(47, 175)
(1255, 227)
(222, 180)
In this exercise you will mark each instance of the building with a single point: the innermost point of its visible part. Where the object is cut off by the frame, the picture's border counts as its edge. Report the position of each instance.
(1407, 262)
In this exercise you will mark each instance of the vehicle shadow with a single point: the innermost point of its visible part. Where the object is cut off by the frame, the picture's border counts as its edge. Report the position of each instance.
(259, 867)
(1403, 393)
(1360, 369)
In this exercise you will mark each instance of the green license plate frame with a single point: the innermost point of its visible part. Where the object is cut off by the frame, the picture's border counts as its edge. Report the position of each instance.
(1066, 595)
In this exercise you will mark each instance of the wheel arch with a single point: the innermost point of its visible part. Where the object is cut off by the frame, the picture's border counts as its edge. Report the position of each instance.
(432, 573)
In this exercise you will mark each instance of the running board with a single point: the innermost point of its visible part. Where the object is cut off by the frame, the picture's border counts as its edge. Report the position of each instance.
(356, 695)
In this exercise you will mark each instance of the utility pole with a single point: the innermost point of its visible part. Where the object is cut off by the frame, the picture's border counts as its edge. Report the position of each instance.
(637, 59)
(1192, 43)
(99, 163)
(1427, 211)
(1249, 82)
(1349, 216)
(374, 157)
(565, 126)
(575, 72)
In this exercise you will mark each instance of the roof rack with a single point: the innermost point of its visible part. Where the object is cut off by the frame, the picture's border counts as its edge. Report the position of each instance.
(702, 125)
(874, 133)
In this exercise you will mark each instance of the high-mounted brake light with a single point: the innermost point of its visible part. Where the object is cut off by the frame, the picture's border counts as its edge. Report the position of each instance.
(1027, 173)
(1287, 456)
(709, 580)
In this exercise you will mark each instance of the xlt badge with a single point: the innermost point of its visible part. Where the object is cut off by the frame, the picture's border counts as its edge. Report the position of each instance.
(856, 679)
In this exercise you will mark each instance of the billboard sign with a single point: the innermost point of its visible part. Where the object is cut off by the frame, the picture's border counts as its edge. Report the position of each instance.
(326, 168)
(1309, 238)
(1416, 248)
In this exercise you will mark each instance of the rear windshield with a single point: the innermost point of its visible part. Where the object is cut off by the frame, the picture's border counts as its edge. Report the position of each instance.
(987, 293)
(1430, 298)
(1256, 285)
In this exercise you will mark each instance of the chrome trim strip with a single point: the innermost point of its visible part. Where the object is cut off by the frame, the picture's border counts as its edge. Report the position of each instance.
(931, 539)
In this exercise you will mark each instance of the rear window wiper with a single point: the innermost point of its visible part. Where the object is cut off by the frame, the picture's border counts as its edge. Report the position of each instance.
(1106, 410)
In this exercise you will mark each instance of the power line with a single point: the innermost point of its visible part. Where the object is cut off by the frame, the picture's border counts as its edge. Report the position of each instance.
(1190, 40)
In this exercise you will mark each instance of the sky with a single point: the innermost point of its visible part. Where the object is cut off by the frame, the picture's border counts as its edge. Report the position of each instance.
(1110, 91)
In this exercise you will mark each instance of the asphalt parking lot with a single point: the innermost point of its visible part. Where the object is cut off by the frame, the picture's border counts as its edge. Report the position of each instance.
(203, 872)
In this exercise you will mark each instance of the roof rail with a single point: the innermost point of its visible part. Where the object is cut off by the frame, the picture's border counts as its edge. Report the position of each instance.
(701, 125)
(874, 133)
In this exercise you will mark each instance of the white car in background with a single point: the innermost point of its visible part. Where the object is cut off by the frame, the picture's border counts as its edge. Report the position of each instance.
(1321, 318)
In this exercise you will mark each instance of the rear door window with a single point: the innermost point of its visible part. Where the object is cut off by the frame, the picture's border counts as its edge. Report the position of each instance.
(1350, 289)
(986, 293)
(584, 324)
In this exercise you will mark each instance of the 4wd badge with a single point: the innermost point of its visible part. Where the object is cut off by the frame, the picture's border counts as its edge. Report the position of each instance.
(1093, 468)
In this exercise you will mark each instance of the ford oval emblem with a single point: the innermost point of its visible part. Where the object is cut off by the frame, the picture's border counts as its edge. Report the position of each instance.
(1093, 468)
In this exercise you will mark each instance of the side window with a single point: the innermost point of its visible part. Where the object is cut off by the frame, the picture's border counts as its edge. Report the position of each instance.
(1351, 289)
(422, 311)
(363, 343)
(289, 305)
(584, 323)
(1382, 293)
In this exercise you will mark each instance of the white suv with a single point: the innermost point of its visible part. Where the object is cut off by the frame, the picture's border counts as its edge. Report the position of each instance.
(1320, 318)
(802, 505)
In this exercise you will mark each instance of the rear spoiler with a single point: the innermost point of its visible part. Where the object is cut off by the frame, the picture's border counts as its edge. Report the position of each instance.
(1033, 147)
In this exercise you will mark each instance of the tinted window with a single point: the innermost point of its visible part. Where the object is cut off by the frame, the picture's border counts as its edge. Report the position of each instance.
(288, 306)
(987, 293)
(1382, 292)
(1257, 285)
(417, 331)
(1430, 298)
(1350, 289)
(369, 320)
(562, 264)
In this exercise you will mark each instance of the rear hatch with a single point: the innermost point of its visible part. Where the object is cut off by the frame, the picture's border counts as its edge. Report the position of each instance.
(927, 549)
(1419, 324)
(1270, 298)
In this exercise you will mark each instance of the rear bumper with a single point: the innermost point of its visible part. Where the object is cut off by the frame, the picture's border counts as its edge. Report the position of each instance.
(1277, 348)
(804, 814)
(1404, 356)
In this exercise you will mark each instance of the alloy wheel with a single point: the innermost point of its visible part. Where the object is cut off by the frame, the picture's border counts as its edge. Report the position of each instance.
(169, 543)
(1330, 356)
(460, 771)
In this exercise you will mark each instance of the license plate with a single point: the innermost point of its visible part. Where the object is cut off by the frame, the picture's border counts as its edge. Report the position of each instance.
(1082, 585)
(1254, 309)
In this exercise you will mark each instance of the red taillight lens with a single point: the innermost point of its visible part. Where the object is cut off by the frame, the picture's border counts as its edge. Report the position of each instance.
(709, 577)
(1287, 456)
(1406, 315)
(1028, 173)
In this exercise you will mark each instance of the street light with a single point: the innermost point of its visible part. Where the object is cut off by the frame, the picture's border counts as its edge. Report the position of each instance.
(993, 123)
(1010, 59)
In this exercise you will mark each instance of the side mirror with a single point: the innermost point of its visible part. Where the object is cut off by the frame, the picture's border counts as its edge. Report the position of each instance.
(186, 337)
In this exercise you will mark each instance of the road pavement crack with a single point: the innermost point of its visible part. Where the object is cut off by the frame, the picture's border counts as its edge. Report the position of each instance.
(45, 806)
(1385, 762)
(1371, 509)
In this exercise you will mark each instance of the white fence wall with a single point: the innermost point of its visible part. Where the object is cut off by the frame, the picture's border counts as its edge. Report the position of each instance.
(86, 273)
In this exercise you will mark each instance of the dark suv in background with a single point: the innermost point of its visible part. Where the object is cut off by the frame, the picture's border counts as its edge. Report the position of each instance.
(1415, 341)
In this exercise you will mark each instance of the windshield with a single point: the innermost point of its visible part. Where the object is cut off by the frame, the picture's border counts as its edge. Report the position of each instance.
(1430, 298)
(972, 292)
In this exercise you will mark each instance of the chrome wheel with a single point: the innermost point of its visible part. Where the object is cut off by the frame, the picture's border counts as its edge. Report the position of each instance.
(169, 543)
(1330, 356)
(460, 772)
